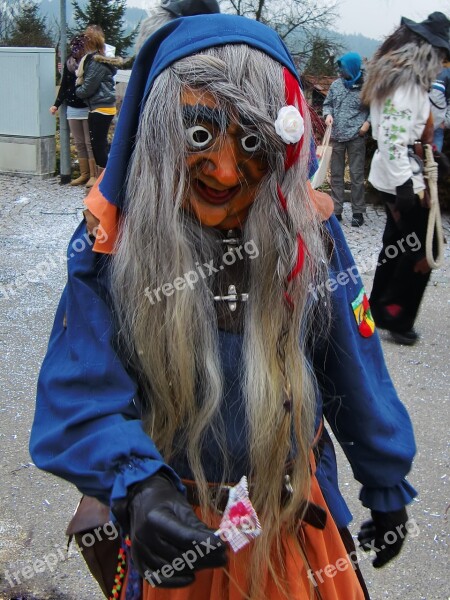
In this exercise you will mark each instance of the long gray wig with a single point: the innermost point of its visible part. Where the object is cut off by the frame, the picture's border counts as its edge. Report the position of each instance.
(157, 17)
(173, 344)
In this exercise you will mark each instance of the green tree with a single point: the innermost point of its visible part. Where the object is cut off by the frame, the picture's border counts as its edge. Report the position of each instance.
(27, 27)
(322, 56)
(109, 14)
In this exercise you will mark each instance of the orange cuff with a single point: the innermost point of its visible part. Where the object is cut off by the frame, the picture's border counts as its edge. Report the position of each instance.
(108, 216)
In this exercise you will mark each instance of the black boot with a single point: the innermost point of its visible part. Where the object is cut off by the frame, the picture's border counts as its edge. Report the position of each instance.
(357, 219)
(408, 338)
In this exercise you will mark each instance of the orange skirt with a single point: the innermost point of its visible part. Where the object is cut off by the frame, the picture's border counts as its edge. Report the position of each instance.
(328, 576)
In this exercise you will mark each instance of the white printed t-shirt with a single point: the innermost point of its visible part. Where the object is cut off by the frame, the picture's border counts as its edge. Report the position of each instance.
(397, 121)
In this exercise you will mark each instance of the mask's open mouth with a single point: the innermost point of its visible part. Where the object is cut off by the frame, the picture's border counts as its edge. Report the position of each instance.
(215, 196)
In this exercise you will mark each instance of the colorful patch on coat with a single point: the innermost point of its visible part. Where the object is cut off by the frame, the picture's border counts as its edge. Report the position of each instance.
(363, 315)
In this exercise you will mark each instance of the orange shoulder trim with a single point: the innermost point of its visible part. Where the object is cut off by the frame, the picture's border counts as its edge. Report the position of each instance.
(108, 216)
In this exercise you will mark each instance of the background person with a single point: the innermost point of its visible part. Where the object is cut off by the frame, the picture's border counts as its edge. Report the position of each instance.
(212, 151)
(95, 85)
(350, 119)
(167, 10)
(440, 105)
(108, 50)
(398, 79)
(77, 113)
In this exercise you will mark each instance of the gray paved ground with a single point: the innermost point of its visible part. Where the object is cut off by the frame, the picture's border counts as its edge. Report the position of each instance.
(37, 219)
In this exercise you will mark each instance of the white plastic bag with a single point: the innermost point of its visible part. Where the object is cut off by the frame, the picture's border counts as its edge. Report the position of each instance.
(323, 153)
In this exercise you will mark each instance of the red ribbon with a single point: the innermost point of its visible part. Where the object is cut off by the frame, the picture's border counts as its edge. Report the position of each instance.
(294, 97)
(300, 258)
(281, 198)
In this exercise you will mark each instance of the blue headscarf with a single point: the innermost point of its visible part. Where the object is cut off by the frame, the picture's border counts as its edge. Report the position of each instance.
(178, 39)
(350, 67)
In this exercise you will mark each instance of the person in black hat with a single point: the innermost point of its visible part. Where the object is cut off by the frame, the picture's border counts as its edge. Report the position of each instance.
(434, 30)
(396, 89)
(167, 10)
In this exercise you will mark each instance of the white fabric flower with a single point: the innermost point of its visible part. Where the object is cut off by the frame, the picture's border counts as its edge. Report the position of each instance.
(289, 124)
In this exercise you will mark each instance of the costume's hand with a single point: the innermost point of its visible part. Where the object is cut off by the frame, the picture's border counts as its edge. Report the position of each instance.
(405, 197)
(329, 120)
(92, 223)
(384, 534)
(165, 532)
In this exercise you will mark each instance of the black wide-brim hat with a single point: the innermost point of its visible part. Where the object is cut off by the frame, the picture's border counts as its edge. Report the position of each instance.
(435, 29)
(189, 8)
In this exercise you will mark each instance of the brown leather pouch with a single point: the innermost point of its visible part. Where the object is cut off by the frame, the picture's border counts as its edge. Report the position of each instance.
(98, 540)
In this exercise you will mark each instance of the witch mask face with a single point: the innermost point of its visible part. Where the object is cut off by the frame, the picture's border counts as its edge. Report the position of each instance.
(225, 163)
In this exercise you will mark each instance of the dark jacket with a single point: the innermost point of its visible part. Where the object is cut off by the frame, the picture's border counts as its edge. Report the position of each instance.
(67, 91)
(98, 87)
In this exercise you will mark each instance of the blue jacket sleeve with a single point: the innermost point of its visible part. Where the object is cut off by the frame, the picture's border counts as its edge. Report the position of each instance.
(360, 402)
(87, 427)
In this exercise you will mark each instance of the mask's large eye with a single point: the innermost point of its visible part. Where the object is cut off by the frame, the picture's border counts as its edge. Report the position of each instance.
(198, 137)
(251, 143)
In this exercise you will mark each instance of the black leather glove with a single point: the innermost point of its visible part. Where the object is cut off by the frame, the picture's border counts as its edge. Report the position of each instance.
(405, 197)
(384, 534)
(168, 542)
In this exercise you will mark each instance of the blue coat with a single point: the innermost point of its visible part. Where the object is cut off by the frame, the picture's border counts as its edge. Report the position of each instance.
(87, 427)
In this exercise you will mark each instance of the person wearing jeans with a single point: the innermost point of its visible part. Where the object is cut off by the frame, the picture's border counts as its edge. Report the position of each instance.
(355, 150)
(343, 109)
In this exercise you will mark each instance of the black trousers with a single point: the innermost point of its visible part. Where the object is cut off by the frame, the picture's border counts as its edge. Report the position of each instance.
(98, 128)
(398, 286)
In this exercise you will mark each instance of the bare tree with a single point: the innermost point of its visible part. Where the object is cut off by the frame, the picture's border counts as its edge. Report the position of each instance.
(294, 20)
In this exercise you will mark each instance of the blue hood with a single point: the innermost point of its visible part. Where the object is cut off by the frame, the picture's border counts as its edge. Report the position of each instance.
(178, 39)
(350, 65)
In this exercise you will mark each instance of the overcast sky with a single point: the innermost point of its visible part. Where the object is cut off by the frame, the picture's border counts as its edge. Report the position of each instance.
(377, 18)
(372, 18)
